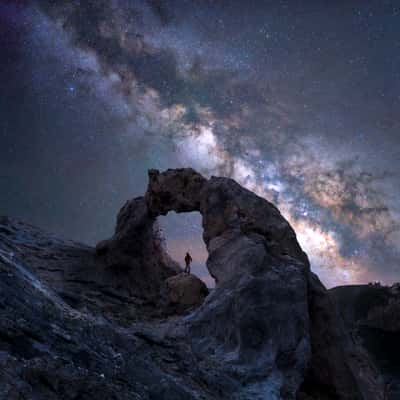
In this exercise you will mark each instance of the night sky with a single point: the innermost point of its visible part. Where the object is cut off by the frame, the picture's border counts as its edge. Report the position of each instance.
(296, 100)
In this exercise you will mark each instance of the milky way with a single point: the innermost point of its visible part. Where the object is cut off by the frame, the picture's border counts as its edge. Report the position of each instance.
(299, 103)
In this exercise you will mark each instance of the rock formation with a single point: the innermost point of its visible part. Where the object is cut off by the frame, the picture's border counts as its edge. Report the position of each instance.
(185, 290)
(126, 312)
(372, 317)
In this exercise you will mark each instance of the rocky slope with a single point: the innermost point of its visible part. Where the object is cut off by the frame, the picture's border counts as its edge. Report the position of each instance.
(123, 322)
(372, 317)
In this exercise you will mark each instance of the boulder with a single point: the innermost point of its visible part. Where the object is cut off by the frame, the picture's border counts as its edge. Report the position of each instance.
(185, 290)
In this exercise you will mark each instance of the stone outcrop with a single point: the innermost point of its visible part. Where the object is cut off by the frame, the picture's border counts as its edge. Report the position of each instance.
(135, 252)
(340, 368)
(269, 329)
(372, 317)
(263, 287)
(259, 269)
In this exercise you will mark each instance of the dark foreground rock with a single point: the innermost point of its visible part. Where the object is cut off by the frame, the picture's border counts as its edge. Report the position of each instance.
(123, 322)
(372, 317)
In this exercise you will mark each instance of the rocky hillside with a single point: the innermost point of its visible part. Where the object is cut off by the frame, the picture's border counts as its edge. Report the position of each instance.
(122, 321)
(372, 316)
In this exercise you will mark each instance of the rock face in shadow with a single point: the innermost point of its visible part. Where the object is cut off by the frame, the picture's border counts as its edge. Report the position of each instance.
(185, 290)
(372, 317)
(135, 252)
(269, 330)
(340, 368)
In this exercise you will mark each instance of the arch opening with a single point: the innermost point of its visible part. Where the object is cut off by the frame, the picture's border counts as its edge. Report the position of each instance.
(183, 232)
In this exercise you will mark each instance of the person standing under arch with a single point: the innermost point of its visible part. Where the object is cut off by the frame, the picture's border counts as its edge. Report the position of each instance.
(188, 260)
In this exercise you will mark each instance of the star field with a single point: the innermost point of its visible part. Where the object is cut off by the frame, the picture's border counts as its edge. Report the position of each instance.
(297, 101)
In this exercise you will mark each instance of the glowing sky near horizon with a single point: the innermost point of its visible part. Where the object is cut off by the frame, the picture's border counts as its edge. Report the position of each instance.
(299, 103)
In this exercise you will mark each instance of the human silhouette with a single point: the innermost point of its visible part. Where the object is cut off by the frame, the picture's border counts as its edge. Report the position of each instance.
(188, 260)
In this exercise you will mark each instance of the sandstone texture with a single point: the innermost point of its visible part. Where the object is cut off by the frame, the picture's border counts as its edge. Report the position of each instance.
(122, 321)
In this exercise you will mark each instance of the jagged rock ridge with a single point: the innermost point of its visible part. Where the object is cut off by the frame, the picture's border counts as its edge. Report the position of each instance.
(269, 330)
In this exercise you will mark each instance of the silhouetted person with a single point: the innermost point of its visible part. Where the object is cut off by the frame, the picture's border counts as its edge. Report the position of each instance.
(188, 260)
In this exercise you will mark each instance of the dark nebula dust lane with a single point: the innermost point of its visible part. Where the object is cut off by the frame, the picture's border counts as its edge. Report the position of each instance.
(297, 101)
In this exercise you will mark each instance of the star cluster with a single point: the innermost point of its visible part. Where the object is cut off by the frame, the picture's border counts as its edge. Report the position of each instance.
(297, 101)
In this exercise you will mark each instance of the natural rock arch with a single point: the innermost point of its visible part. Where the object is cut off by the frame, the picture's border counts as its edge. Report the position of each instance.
(250, 246)
(269, 321)
(268, 331)
(228, 212)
